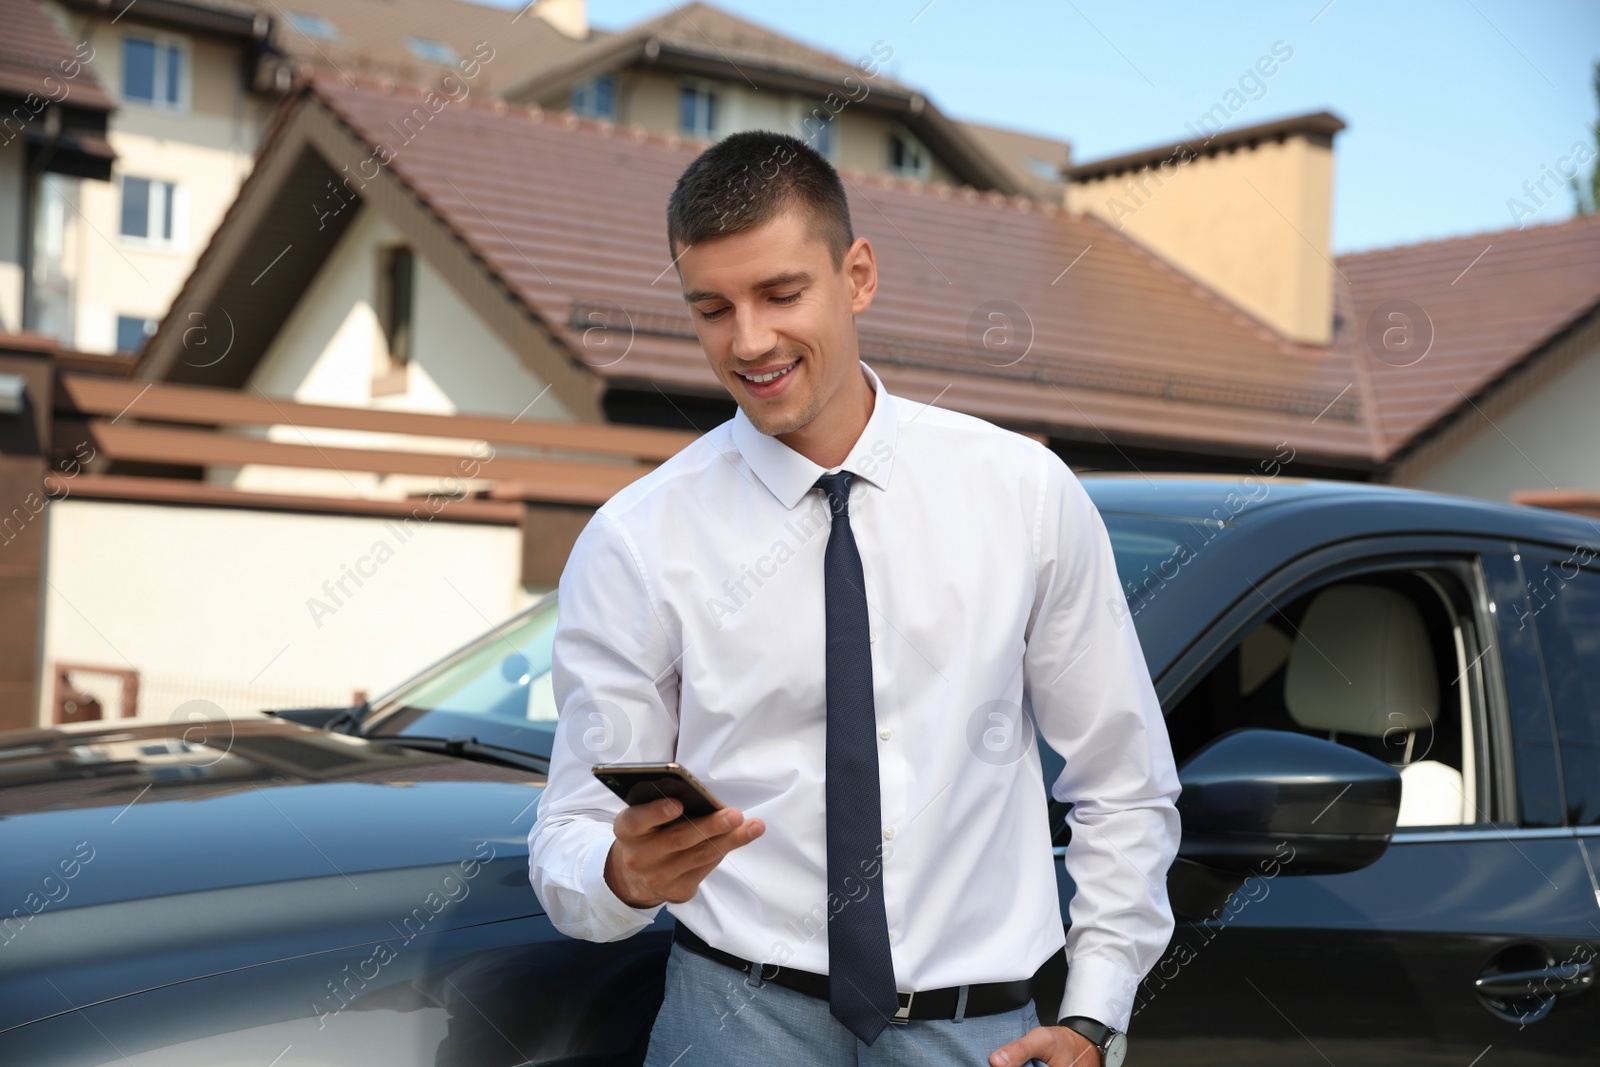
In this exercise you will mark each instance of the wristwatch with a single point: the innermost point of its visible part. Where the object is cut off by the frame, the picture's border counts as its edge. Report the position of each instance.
(1111, 1043)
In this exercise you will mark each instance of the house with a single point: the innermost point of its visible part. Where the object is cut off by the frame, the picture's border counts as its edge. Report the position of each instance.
(1475, 359)
(189, 87)
(703, 73)
(53, 120)
(1485, 374)
(387, 348)
(194, 84)
(546, 261)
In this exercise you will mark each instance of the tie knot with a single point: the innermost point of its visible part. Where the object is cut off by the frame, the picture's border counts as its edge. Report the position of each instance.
(837, 486)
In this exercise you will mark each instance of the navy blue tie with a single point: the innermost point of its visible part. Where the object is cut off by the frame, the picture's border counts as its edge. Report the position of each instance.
(861, 986)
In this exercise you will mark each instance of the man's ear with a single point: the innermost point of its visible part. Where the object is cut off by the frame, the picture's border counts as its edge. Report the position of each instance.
(860, 269)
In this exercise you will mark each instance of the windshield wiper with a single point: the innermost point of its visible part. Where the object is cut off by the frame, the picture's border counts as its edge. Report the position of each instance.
(349, 720)
(468, 748)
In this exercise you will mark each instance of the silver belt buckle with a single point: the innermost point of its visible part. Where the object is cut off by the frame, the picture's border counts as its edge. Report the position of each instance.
(903, 1014)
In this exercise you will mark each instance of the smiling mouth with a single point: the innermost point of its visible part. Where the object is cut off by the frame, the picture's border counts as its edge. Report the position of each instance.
(770, 375)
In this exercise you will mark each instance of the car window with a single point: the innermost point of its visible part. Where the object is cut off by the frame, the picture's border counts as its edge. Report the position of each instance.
(1565, 603)
(1380, 663)
(497, 689)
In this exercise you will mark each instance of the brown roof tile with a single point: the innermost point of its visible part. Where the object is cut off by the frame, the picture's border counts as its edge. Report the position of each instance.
(570, 213)
(700, 27)
(1489, 301)
(32, 54)
(372, 39)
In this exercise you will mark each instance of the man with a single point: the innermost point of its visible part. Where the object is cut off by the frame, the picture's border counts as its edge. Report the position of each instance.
(845, 612)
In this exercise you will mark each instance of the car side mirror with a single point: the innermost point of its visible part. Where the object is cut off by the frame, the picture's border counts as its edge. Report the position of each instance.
(1270, 802)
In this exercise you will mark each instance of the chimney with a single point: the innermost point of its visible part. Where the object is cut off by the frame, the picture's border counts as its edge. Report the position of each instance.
(1248, 212)
(570, 17)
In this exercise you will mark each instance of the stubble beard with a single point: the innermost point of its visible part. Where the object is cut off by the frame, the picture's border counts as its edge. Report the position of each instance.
(777, 425)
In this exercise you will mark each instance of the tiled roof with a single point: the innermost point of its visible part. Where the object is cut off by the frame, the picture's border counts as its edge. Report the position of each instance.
(33, 50)
(718, 34)
(372, 38)
(1021, 152)
(569, 214)
(1488, 300)
(566, 216)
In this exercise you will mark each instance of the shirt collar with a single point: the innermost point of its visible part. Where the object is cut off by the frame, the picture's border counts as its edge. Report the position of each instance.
(789, 475)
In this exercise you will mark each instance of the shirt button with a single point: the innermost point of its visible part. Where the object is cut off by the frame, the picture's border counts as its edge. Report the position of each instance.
(884, 734)
(871, 638)
(888, 833)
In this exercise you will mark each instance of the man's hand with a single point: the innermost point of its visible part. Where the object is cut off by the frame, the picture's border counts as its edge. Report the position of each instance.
(652, 862)
(1057, 1046)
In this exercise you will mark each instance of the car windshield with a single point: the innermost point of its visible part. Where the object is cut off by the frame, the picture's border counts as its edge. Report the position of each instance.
(498, 689)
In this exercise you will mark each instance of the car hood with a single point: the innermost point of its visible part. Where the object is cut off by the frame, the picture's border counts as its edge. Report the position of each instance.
(154, 853)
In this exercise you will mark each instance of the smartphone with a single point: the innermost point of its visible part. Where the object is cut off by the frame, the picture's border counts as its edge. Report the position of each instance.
(640, 783)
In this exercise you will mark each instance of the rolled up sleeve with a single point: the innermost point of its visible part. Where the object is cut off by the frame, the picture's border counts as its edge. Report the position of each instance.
(614, 674)
(1090, 692)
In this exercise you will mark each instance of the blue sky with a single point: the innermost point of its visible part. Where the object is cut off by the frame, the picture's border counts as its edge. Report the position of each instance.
(1451, 104)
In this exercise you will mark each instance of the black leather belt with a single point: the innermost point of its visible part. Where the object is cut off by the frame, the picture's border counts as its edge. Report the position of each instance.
(986, 998)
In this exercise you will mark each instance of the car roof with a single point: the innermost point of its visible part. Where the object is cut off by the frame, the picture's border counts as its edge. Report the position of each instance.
(1249, 499)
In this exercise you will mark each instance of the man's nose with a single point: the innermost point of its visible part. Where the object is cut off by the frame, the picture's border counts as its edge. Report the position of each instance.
(752, 336)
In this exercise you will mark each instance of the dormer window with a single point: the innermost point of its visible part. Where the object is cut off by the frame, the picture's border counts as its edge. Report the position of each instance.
(697, 112)
(908, 157)
(596, 97)
(312, 25)
(818, 127)
(432, 51)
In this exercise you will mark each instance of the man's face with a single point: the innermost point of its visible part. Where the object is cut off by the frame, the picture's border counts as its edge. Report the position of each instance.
(769, 299)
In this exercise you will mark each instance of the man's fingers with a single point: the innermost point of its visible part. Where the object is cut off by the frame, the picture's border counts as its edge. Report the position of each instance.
(1055, 1045)
(701, 851)
(640, 819)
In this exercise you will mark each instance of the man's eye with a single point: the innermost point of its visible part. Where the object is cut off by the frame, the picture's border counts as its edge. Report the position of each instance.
(712, 315)
(789, 299)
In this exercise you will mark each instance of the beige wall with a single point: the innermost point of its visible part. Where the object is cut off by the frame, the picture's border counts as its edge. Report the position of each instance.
(331, 346)
(12, 166)
(1254, 224)
(218, 600)
(1551, 435)
(649, 99)
(206, 149)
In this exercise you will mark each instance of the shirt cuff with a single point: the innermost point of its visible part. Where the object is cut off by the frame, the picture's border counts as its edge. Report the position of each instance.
(1101, 989)
(609, 908)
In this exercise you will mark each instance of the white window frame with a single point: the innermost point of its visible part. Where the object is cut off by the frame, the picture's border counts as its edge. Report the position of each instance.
(417, 46)
(807, 109)
(162, 42)
(154, 217)
(924, 169)
(713, 90)
(591, 85)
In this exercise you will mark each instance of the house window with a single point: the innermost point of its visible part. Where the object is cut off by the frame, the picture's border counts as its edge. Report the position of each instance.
(596, 97)
(431, 50)
(132, 330)
(818, 129)
(153, 72)
(396, 298)
(907, 156)
(152, 212)
(697, 112)
(312, 25)
(1044, 168)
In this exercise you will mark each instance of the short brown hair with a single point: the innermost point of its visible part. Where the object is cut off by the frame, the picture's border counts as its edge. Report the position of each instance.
(747, 179)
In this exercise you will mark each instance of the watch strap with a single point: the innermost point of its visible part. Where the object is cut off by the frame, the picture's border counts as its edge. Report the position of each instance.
(1097, 1032)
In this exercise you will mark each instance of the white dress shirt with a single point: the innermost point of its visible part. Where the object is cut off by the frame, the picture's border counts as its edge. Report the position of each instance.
(691, 628)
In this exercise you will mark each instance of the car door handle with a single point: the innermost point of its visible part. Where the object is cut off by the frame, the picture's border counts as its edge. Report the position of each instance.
(1545, 982)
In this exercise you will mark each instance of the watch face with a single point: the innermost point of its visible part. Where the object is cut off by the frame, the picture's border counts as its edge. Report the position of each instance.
(1116, 1050)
